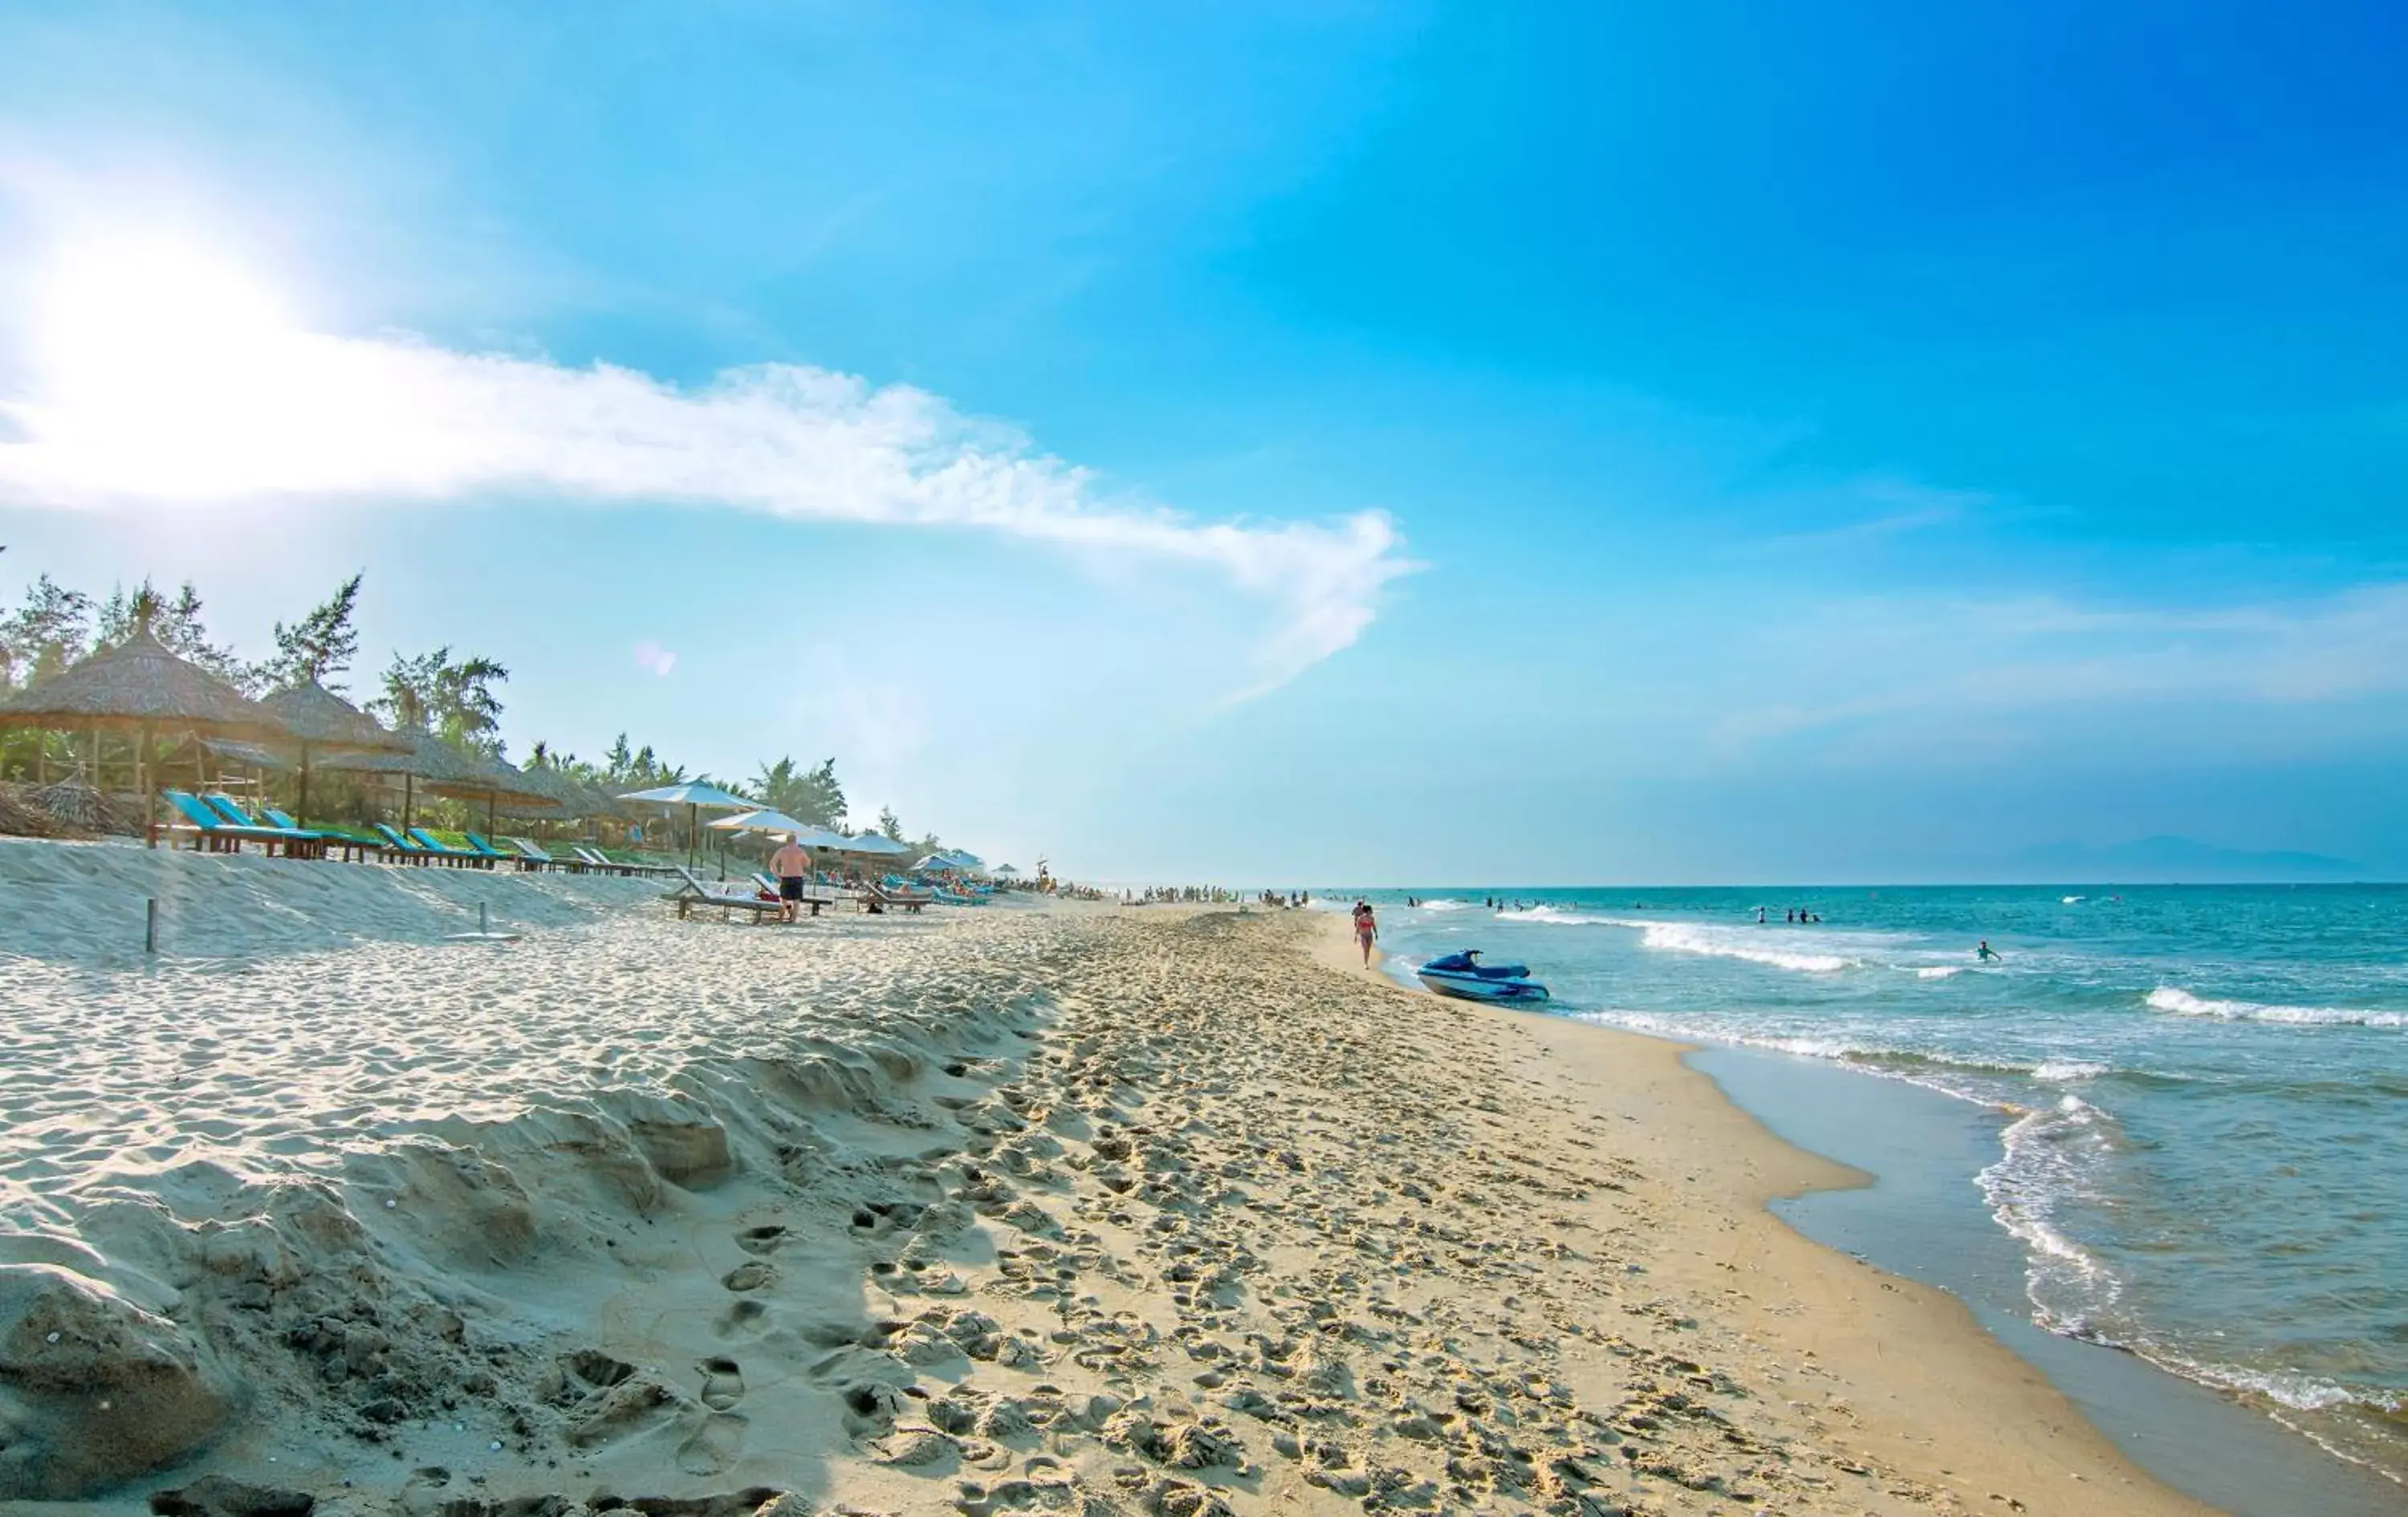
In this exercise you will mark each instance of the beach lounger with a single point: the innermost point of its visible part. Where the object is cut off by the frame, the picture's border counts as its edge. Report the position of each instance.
(300, 842)
(416, 852)
(537, 857)
(593, 858)
(452, 853)
(499, 855)
(210, 830)
(879, 898)
(728, 895)
(354, 843)
(813, 897)
(641, 866)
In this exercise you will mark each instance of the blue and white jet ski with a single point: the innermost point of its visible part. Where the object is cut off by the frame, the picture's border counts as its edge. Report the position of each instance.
(1463, 976)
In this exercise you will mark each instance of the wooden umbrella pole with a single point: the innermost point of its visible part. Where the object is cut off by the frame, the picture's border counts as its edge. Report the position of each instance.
(409, 792)
(303, 815)
(144, 759)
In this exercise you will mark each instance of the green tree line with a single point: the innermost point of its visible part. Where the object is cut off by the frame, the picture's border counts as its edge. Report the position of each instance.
(456, 695)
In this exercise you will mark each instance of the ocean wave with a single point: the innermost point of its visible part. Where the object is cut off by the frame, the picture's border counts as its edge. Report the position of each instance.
(1560, 917)
(2182, 1003)
(1935, 971)
(1683, 937)
(1444, 906)
(2053, 1156)
(2062, 1070)
(1938, 1072)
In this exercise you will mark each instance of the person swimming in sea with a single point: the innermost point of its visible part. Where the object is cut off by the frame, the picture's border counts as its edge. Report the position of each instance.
(1987, 954)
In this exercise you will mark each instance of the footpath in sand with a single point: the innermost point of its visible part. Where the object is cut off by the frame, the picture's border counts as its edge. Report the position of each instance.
(1061, 1210)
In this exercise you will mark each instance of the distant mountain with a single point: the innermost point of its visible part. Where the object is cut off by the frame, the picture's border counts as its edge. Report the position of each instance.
(2172, 860)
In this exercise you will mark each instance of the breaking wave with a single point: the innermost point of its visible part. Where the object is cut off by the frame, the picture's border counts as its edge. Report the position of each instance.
(2182, 1003)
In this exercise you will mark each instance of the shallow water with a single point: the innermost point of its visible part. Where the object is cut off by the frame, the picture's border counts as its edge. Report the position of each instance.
(2207, 1088)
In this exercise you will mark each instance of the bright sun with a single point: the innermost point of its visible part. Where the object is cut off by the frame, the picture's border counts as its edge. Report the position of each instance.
(119, 321)
(171, 367)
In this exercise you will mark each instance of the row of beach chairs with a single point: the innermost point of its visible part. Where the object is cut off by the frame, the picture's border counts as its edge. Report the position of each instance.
(757, 893)
(218, 824)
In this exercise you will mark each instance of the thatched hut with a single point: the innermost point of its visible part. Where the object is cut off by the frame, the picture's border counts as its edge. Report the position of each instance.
(138, 686)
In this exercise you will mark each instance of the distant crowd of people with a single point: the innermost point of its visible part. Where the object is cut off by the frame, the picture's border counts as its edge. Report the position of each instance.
(1185, 895)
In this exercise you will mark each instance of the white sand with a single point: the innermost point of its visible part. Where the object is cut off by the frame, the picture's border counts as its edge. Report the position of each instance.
(1069, 1210)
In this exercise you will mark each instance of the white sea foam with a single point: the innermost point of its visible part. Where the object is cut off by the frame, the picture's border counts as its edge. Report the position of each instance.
(2182, 1003)
(2073, 901)
(1687, 938)
(1444, 906)
(2055, 1155)
(1561, 917)
(2056, 1069)
(1936, 971)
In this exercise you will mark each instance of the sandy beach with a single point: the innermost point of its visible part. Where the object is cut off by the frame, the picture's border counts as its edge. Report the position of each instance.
(1056, 1207)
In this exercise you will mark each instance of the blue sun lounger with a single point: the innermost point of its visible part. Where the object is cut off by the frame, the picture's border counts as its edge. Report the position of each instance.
(217, 832)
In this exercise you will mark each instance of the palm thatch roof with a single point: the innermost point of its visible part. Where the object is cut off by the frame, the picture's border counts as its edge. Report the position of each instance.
(226, 750)
(568, 795)
(443, 770)
(140, 684)
(318, 717)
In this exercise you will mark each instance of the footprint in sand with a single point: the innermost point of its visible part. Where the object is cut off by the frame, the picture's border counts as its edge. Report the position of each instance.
(743, 1316)
(750, 1276)
(764, 1239)
(715, 1445)
(723, 1383)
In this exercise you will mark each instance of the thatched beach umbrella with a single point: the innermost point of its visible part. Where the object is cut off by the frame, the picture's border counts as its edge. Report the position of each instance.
(566, 794)
(139, 686)
(318, 718)
(445, 769)
(491, 781)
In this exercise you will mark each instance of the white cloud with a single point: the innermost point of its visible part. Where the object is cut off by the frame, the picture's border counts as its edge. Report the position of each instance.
(654, 660)
(199, 413)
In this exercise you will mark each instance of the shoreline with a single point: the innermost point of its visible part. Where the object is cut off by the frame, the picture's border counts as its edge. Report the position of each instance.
(1925, 1218)
(2188, 1437)
(1985, 1414)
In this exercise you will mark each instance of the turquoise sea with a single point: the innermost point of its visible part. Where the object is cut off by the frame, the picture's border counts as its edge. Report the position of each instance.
(2203, 1141)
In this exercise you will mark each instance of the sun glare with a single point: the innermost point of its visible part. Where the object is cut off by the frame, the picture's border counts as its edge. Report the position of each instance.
(167, 366)
(142, 314)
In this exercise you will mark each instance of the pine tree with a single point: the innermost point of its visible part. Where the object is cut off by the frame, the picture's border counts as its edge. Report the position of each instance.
(320, 645)
(48, 632)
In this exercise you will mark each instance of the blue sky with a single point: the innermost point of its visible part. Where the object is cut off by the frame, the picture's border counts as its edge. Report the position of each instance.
(1314, 441)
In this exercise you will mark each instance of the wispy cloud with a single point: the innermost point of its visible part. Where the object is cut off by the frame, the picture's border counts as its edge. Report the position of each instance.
(654, 660)
(267, 416)
(2018, 670)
